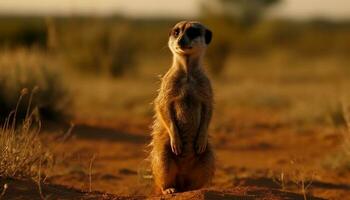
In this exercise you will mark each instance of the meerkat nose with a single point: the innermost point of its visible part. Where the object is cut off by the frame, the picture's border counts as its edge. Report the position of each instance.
(182, 42)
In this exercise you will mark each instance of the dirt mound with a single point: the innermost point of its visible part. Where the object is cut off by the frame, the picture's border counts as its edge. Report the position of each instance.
(28, 189)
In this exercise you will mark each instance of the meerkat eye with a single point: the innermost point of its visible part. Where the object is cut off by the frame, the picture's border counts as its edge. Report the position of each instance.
(193, 32)
(176, 32)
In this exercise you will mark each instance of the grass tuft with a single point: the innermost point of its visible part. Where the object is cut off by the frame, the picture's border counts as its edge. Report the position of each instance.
(340, 160)
(22, 153)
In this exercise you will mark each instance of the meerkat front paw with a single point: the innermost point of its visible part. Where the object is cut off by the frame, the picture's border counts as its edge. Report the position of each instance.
(169, 191)
(175, 144)
(201, 145)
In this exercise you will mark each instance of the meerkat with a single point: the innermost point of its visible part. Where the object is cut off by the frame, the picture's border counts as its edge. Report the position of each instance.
(181, 157)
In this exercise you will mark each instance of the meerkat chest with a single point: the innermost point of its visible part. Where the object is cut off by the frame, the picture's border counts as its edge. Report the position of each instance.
(188, 105)
(188, 88)
(187, 95)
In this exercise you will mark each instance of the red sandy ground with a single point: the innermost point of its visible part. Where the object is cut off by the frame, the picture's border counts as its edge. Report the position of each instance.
(26, 189)
(247, 154)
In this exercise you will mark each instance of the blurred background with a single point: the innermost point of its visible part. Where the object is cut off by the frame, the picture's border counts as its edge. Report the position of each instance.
(280, 71)
(103, 57)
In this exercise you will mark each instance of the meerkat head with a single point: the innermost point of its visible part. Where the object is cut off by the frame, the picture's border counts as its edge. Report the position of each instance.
(189, 38)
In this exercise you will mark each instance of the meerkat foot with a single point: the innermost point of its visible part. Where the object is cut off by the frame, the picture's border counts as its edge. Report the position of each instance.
(169, 191)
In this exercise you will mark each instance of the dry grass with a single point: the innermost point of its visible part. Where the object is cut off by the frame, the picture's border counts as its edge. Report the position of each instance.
(295, 177)
(301, 177)
(346, 111)
(90, 172)
(3, 191)
(29, 68)
(289, 87)
(280, 180)
(21, 151)
(340, 159)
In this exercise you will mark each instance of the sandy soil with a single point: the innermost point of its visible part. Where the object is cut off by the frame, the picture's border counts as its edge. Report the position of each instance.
(251, 154)
(109, 158)
(26, 189)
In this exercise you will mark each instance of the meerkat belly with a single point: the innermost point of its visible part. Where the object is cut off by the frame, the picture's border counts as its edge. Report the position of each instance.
(188, 116)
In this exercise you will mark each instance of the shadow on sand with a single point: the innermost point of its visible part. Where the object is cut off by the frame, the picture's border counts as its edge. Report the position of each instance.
(84, 131)
(270, 183)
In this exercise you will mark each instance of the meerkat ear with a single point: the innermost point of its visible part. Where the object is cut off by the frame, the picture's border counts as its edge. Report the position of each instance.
(208, 35)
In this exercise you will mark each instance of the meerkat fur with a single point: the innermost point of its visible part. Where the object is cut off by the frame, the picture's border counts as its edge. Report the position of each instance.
(181, 157)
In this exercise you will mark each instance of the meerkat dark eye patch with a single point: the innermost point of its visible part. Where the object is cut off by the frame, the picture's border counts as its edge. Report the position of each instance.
(193, 32)
(208, 36)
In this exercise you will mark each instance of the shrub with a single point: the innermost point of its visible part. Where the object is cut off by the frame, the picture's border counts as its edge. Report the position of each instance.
(18, 31)
(105, 47)
(122, 52)
(28, 70)
(218, 55)
(222, 45)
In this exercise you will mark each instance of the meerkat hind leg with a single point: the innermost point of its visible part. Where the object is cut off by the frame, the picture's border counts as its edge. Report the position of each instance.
(165, 173)
(168, 181)
(202, 173)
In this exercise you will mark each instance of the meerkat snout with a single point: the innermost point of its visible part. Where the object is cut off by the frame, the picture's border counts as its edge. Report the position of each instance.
(187, 38)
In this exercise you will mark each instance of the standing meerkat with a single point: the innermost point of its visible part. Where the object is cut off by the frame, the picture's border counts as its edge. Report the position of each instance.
(181, 157)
